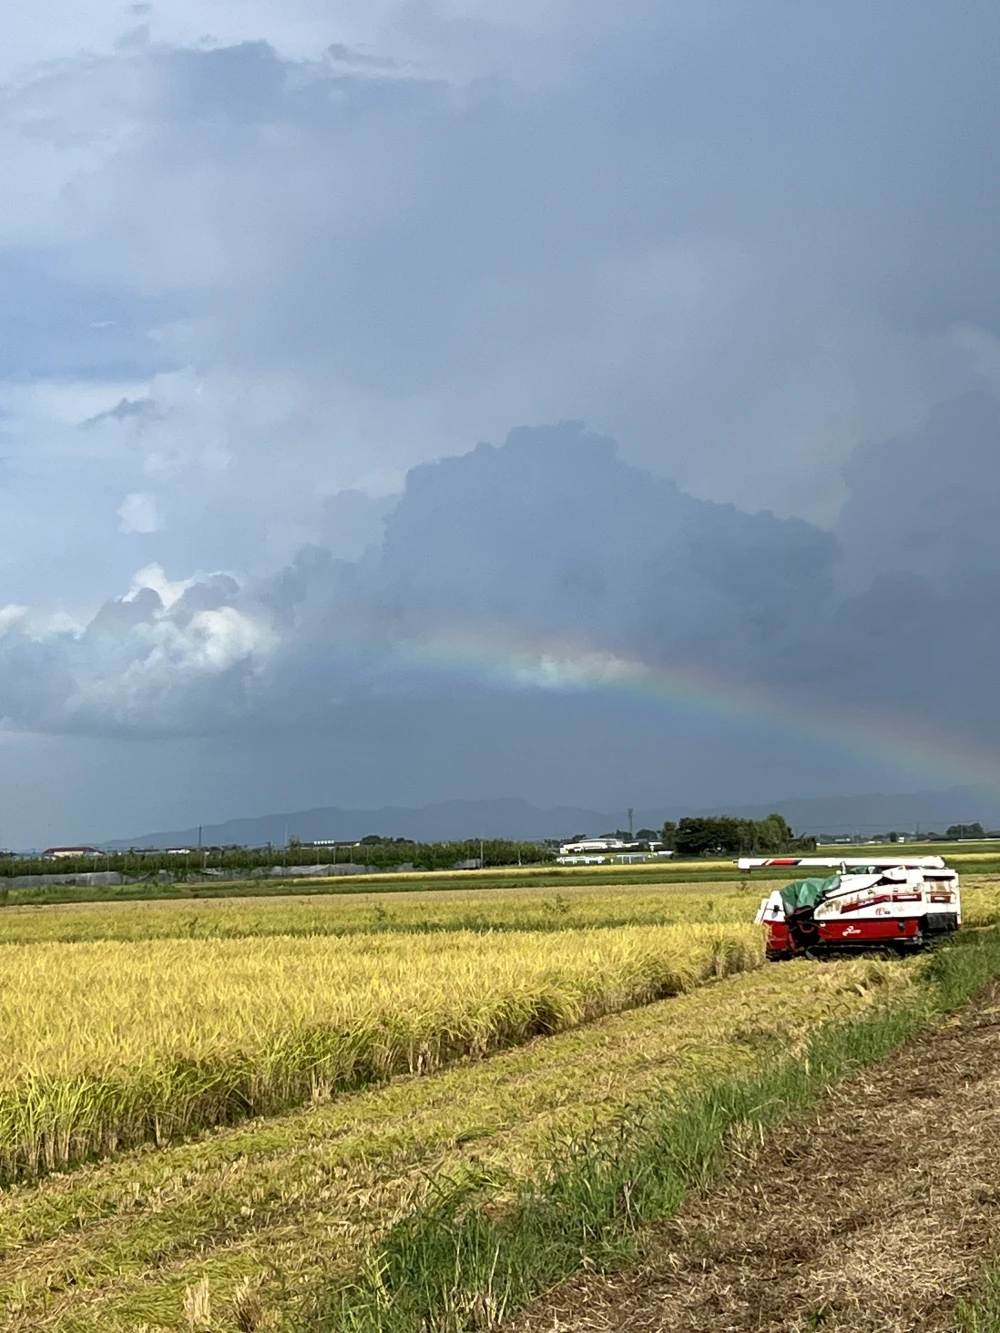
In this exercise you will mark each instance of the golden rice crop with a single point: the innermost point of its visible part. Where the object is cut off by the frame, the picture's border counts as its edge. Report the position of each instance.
(115, 1043)
(115, 1245)
(981, 900)
(354, 913)
(423, 911)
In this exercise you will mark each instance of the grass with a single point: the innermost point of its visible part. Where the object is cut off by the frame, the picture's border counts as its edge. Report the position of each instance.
(981, 1315)
(947, 849)
(466, 1260)
(291, 1204)
(111, 1044)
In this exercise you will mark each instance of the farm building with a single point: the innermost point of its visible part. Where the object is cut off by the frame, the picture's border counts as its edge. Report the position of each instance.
(586, 845)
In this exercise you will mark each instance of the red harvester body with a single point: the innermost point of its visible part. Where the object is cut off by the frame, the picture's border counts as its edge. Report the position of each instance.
(900, 904)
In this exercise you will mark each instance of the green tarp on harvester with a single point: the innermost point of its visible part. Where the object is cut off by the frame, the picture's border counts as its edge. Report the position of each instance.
(806, 892)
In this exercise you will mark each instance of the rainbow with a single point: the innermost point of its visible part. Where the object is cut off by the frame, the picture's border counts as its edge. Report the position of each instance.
(913, 750)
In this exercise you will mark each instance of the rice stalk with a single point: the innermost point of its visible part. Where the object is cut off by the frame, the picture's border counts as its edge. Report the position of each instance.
(114, 1044)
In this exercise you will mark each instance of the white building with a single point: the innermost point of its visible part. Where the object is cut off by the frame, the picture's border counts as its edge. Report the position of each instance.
(590, 845)
(604, 851)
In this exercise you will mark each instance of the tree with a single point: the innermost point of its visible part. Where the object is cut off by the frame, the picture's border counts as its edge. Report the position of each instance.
(708, 836)
(965, 831)
(668, 834)
(723, 835)
(773, 834)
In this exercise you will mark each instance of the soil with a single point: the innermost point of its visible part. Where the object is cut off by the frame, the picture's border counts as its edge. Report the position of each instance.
(877, 1211)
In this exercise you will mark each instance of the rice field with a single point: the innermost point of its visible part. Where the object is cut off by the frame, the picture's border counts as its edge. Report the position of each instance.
(284, 1205)
(213, 1108)
(419, 912)
(109, 1044)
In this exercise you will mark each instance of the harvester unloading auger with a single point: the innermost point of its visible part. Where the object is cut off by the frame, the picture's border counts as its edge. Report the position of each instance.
(897, 904)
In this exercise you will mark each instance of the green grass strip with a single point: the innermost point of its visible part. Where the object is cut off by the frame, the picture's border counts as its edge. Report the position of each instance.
(483, 1246)
(981, 1315)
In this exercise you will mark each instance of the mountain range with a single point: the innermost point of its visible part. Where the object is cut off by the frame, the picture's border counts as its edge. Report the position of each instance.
(511, 817)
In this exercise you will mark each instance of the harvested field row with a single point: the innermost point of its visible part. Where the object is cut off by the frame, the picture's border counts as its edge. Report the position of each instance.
(294, 1203)
(874, 1214)
(108, 1045)
(460, 1260)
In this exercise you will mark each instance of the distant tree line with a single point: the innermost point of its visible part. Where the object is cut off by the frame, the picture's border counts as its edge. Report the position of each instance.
(725, 835)
(954, 833)
(373, 851)
(970, 831)
(696, 836)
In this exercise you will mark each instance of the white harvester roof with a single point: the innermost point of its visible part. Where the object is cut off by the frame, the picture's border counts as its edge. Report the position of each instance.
(840, 862)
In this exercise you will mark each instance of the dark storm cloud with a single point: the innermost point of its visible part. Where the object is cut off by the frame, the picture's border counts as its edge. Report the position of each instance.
(753, 244)
(126, 409)
(919, 627)
(929, 504)
(555, 533)
(737, 244)
(551, 539)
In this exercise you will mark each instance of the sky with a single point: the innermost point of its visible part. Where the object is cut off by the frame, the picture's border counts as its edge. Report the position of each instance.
(409, 401)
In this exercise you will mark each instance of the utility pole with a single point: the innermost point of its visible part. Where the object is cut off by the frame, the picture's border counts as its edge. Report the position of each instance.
(630, 813)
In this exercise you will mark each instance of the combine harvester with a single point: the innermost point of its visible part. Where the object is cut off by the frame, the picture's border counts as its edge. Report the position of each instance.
(875, 903)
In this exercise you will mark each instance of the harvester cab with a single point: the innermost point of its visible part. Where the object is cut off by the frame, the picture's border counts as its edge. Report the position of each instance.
(871, 903)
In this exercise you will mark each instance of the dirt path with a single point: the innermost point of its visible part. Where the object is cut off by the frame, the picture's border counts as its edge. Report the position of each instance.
(876, 1213)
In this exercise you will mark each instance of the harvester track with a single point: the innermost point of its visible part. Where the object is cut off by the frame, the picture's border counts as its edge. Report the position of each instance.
(875, 1212)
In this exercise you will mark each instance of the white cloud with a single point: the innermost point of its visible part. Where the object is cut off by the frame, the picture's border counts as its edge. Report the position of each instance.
(11, 615)
(37, 625)
(551, 670)
(153, 577)
(169, 656)
(206, 643)
(218, 639)
(139, 513)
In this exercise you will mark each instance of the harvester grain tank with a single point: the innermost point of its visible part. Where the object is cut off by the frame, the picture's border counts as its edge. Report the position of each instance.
(872, 903)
